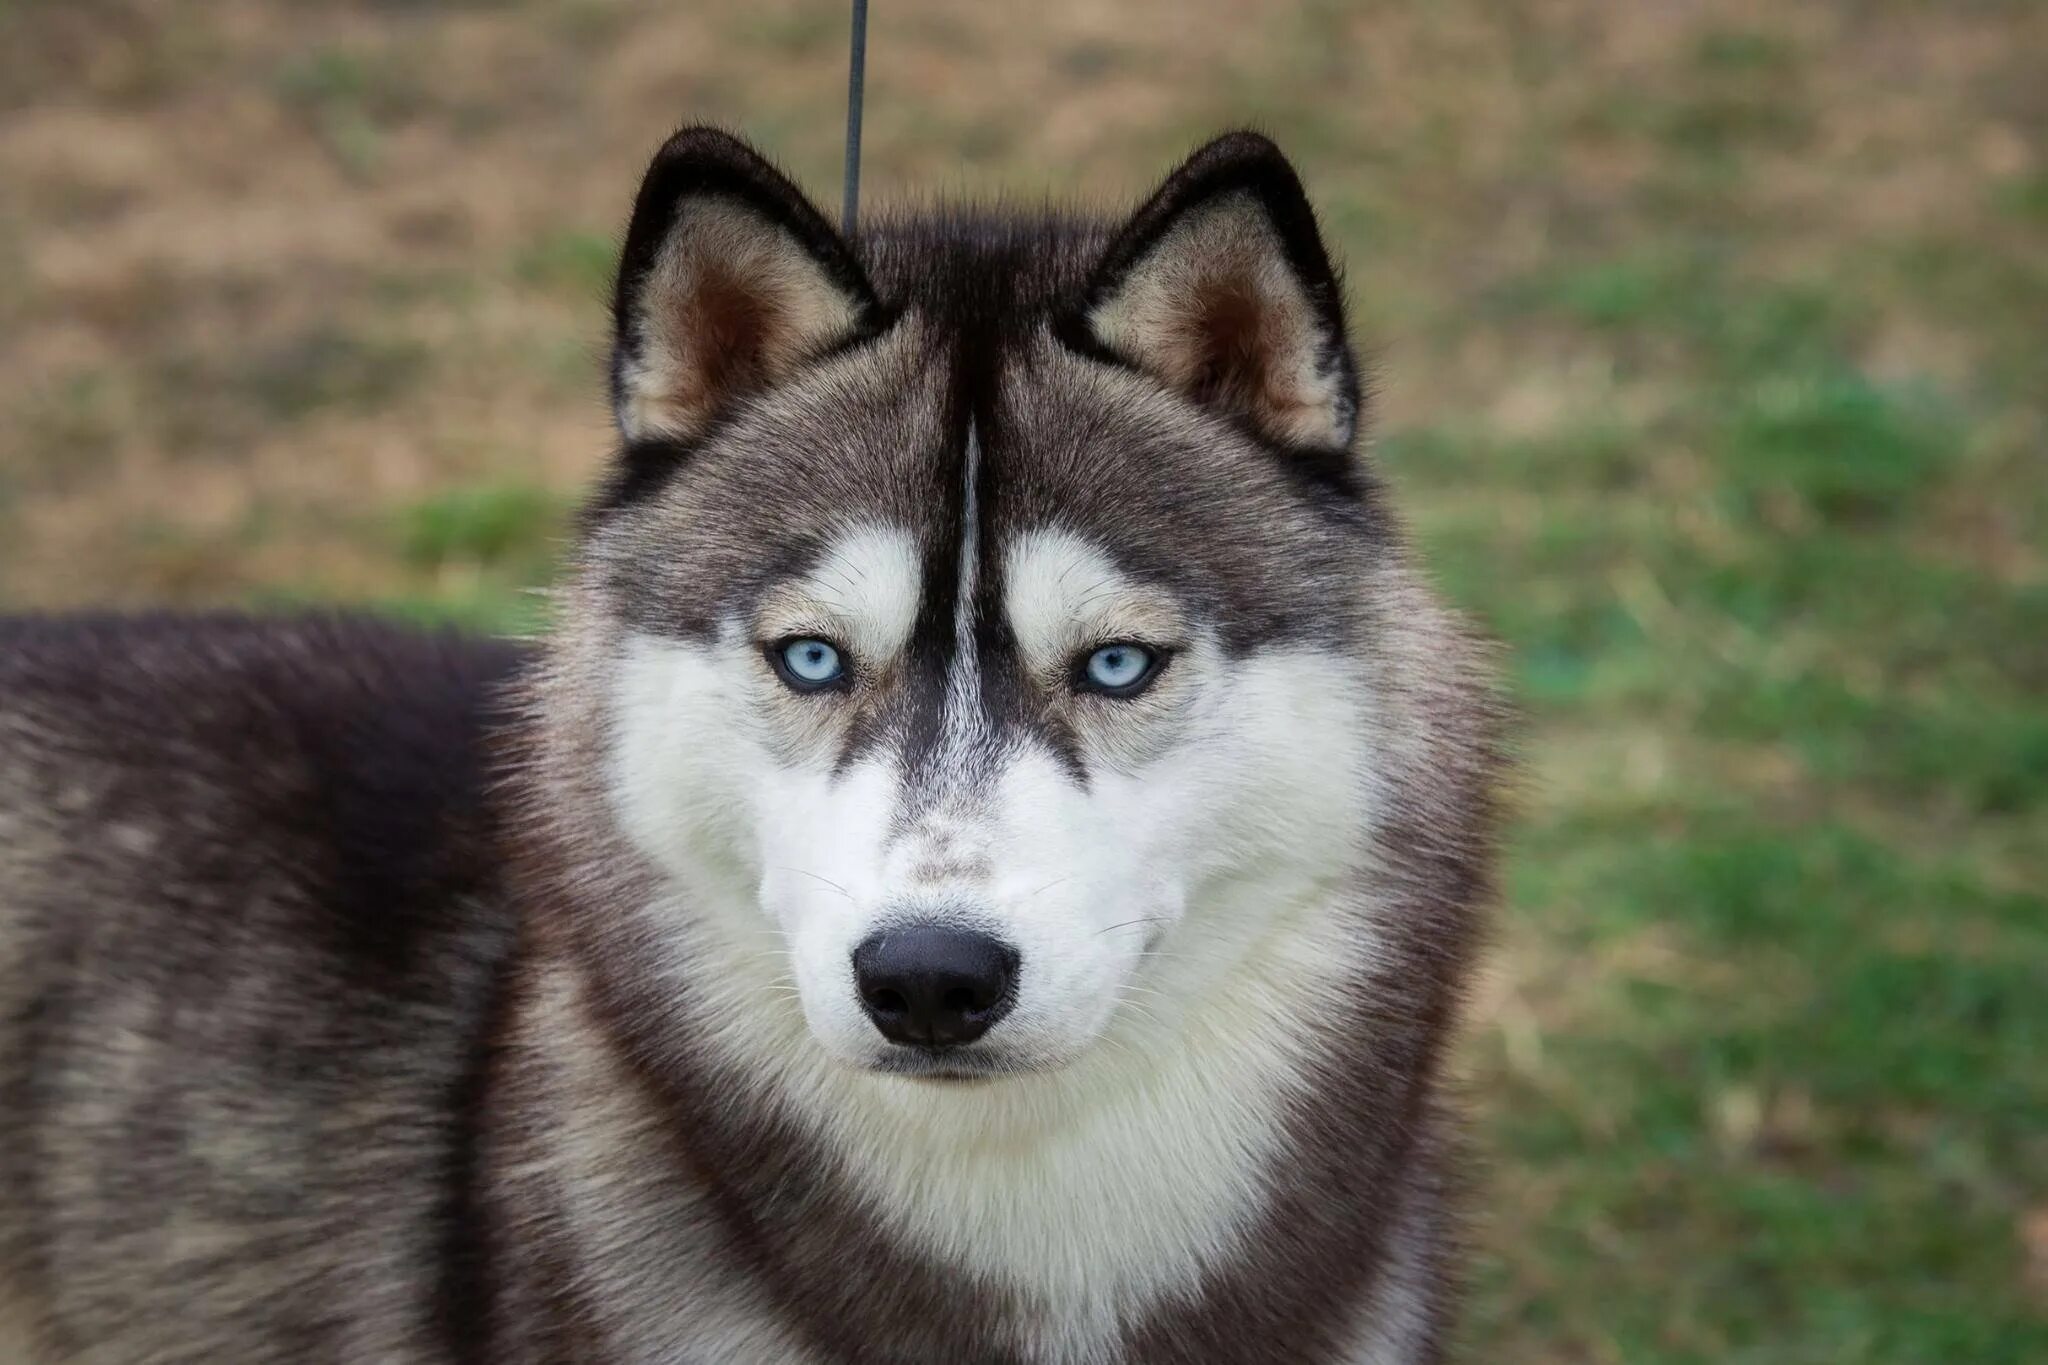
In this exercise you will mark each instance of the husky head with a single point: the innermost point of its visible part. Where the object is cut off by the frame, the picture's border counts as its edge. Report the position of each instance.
(979, 627)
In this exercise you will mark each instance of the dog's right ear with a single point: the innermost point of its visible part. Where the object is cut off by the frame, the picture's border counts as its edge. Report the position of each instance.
(730, 279)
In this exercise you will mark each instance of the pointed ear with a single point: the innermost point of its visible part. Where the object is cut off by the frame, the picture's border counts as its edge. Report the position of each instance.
(729, 281)
(1220, 287)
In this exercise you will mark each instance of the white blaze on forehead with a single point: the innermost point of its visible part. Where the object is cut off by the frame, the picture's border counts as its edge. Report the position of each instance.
(963, 718)
(1063, 591)
(862, 593)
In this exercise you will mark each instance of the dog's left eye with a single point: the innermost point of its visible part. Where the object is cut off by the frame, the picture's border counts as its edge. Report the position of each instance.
(1117, 670)
(807, 663)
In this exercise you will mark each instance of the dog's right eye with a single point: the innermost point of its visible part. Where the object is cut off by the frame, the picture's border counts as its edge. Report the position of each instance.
(1122, 668)
(807, 663)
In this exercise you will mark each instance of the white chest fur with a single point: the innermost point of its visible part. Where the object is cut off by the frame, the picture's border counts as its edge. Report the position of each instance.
(1094, 1191)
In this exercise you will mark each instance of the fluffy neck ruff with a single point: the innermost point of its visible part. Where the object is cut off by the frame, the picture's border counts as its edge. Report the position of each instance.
(1222, 1172)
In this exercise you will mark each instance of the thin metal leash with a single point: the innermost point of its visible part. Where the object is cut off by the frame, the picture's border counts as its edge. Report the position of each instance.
(856, 86)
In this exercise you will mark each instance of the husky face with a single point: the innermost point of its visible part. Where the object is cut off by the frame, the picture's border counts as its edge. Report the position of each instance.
(984, 625)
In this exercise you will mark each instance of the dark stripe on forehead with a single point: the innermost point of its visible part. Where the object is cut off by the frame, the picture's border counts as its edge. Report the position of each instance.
(1251, 540)
(917, 710)
(1010, 696)
(1017, 709)
(965, 698)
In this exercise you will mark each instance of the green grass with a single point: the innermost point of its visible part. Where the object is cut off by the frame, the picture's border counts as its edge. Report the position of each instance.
(482, 550)
(1798, 1101)
(579, 263)
(492, 526)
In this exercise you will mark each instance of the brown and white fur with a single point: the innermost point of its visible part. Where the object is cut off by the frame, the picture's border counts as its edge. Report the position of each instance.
(371, 996)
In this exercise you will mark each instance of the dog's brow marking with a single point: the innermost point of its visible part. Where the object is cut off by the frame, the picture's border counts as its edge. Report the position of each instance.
(864, 589)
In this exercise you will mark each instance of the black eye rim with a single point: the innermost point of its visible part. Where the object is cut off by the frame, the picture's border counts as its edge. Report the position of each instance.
(1159, 656)
(774, 650)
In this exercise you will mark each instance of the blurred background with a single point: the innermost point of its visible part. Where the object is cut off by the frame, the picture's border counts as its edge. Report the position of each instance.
(1713, 377)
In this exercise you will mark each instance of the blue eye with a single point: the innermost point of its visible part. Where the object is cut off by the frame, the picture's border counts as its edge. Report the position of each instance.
(808, 663)
(1118, 670)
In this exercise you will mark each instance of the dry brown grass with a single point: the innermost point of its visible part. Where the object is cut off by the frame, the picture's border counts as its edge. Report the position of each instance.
(276, 276)
(196, 191)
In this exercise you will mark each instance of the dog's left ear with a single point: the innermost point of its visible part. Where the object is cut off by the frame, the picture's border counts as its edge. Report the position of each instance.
(1219, 286)
(730, 280)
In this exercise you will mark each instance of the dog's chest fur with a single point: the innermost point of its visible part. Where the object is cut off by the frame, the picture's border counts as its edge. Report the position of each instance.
(1051, 1218)
(820, 1226)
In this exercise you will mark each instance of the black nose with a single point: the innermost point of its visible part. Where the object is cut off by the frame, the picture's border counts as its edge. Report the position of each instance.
(932, 986)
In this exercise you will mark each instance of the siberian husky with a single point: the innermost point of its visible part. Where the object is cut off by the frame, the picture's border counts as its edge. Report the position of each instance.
(981, 869)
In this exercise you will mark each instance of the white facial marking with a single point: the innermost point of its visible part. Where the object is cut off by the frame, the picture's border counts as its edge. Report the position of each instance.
(963, 720)
(1065, 592)
(1171, 909)
(861, 595)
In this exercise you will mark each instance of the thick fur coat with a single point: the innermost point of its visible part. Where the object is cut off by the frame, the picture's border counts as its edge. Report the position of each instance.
(1011, 582)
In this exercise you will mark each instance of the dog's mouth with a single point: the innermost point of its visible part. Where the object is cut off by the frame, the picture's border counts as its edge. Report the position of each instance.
(947, 1066)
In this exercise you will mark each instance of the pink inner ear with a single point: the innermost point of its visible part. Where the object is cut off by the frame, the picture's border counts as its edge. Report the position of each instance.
(1233, 336)
(732, 333)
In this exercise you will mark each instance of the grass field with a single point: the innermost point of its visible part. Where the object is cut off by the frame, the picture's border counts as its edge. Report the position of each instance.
(1713, 375)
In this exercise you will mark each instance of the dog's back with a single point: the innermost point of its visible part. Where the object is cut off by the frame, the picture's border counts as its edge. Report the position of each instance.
(245, 919)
